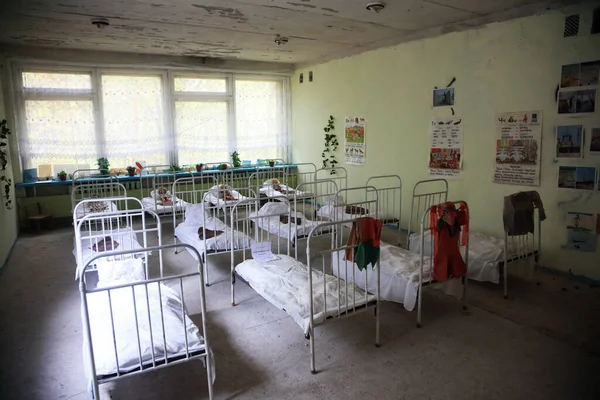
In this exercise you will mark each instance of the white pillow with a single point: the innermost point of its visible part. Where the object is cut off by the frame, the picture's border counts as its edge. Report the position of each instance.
(194, 214)
(115, 272)
(274, 207)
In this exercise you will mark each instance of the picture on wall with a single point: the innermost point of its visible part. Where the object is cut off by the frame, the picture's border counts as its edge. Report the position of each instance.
(443, 97)
(570, 75)
(595, 141)
(590, 73)
(354, 143)
(577, 102)
(518, 145)
(569, 141)
(574, 177)
(581, 235)
(445, 150)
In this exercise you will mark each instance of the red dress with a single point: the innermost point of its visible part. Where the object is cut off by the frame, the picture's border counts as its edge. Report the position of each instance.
(446, 222)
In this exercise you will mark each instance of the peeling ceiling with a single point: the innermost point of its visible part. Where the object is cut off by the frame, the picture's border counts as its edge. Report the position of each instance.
(245, 29)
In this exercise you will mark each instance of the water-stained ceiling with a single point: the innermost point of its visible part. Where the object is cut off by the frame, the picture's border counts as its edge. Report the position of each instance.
(246, 29)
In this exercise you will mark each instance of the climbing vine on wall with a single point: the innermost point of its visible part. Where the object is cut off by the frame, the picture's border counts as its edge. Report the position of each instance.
(331, 145)
(4, 132)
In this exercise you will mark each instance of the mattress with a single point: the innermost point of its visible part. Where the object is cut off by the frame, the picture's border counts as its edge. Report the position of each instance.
(150, 323)
(399, 275)
(187, 233)
(126, 238)
(289, 191)
(150, 204)
(213, 198)
(273, 225)
(284, 283)
(485, 254)
(83, 210)
(337, 213)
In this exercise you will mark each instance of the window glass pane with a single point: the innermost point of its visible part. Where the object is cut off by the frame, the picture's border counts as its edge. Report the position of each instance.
(259, 115)
(134, 120)
(201, 132)
(59, 132)
(201, 85)
(60, 81)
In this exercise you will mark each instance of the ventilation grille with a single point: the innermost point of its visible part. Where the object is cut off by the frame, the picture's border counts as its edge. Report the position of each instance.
(571, 25)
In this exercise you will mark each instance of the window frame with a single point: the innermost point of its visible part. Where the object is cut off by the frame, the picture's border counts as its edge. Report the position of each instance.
(170, 97)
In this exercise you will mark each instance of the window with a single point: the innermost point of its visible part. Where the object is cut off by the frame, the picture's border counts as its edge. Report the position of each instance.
(77, 115)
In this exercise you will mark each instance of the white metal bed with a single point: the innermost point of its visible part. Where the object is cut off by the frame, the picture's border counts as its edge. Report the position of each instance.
(134, 324)
(489, 256)
(197, 222)
(155, 184)
(98, 233)
(309, 293)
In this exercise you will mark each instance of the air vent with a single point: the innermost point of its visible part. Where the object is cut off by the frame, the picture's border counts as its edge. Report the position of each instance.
(571, 26)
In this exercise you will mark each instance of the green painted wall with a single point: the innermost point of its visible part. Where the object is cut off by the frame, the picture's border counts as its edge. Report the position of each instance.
(501, 67)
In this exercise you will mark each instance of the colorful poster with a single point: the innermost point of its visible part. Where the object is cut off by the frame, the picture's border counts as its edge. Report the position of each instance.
(445, 152)
(518, 146)
(354, 145)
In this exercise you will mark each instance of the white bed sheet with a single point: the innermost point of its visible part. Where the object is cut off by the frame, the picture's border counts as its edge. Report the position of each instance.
(399, 276)
(290, 191)
(187, 233)
(337, 213)
(149, 204)
(485, 254)
(126, 238)
(214, 199)
(272, 225)
(82, 211)
(151, 335)
(284, 283)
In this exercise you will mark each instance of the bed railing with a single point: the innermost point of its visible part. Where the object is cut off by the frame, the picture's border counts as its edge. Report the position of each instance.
(142, 317)
(389, 194)
(425, 194)
(338, 174)
(190, 190)
(427, 256)
(96, 192)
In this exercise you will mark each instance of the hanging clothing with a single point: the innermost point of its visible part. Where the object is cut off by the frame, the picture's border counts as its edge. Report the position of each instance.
(517, 214)
(445, 224)
(366, 234)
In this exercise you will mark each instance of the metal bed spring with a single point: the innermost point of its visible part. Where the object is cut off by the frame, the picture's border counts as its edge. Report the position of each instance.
(203, 353)
(389, 194)
(425, 226)
(116, 223)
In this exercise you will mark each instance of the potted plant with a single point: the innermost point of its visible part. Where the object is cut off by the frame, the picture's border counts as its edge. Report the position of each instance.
(62, 175)
(235, 157)
(222, 167)
(199, 167)
(131, 170)
(271, 163)
(103, 165)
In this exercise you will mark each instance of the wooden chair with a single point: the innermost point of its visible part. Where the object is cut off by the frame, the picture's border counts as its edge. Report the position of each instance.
(36, 218)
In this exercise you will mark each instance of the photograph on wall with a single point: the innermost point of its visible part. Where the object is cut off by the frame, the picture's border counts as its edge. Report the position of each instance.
(518, 146)
(581, 234)
(575, 177)
(445, 151)
(590, 73)
(354, 144)
(443, 97)
(577, 102)
(570, 75)
(595, 141)
(569, 141)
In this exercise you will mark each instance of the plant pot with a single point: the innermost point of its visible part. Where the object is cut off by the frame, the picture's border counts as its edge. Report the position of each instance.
(62, 177)
(223, 167)
(199, 168)
(131, 173)
(271, 163)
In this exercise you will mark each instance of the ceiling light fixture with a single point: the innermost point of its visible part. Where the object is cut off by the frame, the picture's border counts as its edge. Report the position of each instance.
(375, 6)
(100, 22)
(281, 40)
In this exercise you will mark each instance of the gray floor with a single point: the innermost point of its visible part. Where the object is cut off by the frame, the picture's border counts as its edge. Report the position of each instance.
(540, 344)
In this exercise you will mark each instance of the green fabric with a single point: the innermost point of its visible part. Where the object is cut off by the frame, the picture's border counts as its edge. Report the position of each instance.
(366, 254)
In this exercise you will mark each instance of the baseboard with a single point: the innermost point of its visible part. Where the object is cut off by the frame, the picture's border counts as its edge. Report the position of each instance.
(571, 276)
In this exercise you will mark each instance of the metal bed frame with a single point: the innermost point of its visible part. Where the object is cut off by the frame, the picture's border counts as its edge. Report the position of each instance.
(423, 281)
(95, 227)
(161, 178)
(337, 243)
(193, 191)
(435, 191)
(157, 361)
(389, 194)
(338, 174)
(97, 192)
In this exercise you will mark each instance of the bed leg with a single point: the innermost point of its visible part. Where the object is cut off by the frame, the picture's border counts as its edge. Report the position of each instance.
(233, 289)
(464, 296)
(95, 390)
(377, 344)
(419, 300)
(506, 281)
(313, 368)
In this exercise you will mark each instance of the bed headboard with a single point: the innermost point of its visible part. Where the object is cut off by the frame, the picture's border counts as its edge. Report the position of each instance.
(338, 174)
(424, 195)
(389, 194)
(97, 190)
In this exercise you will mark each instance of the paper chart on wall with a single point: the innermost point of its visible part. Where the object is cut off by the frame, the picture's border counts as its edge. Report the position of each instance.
(445, 151)
(354, 144)
(518, 146)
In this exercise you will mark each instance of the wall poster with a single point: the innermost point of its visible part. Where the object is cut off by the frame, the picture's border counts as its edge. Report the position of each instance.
(445, 151)
(354, 145)
(518, 148)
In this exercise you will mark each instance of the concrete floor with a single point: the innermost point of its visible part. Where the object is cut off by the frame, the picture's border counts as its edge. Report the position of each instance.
(540, 344)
